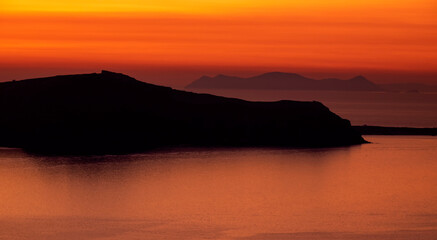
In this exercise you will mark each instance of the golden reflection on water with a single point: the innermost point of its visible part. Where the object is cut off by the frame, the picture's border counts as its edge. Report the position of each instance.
(385, 190)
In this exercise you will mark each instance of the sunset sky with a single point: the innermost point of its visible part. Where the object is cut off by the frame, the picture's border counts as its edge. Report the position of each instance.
(173, 42)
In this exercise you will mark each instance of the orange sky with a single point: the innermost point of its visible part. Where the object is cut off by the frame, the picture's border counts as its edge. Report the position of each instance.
(172, 42)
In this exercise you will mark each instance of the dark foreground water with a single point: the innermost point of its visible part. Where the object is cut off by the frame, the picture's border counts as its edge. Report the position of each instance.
(385, 190)
(371, 108)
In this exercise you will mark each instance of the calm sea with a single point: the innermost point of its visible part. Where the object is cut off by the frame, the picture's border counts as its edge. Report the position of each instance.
(386, 190)
(371, 108)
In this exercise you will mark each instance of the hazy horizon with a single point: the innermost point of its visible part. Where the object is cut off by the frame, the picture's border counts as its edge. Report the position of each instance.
(180, 77)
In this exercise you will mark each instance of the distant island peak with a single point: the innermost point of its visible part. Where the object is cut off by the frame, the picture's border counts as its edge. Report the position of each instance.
(284, 81)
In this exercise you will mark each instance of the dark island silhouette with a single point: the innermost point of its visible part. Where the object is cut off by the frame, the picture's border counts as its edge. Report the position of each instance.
(283, 81)
(109, 112)
(379, 130)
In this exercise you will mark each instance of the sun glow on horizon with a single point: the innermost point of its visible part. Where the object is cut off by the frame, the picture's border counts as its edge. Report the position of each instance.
(199, 6)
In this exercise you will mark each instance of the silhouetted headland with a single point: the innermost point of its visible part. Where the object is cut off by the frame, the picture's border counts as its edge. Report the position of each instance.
(377, 130)
(283, 81)
(114, 113)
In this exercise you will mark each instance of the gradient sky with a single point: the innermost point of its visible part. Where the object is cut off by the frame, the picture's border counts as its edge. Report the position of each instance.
(172, 42)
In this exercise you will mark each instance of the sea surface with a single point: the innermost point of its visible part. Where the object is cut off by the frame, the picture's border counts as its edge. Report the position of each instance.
(371, 108)
(386, 190)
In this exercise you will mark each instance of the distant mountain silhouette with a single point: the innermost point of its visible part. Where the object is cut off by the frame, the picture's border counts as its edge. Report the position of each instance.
(114, 113)
(285, 81)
